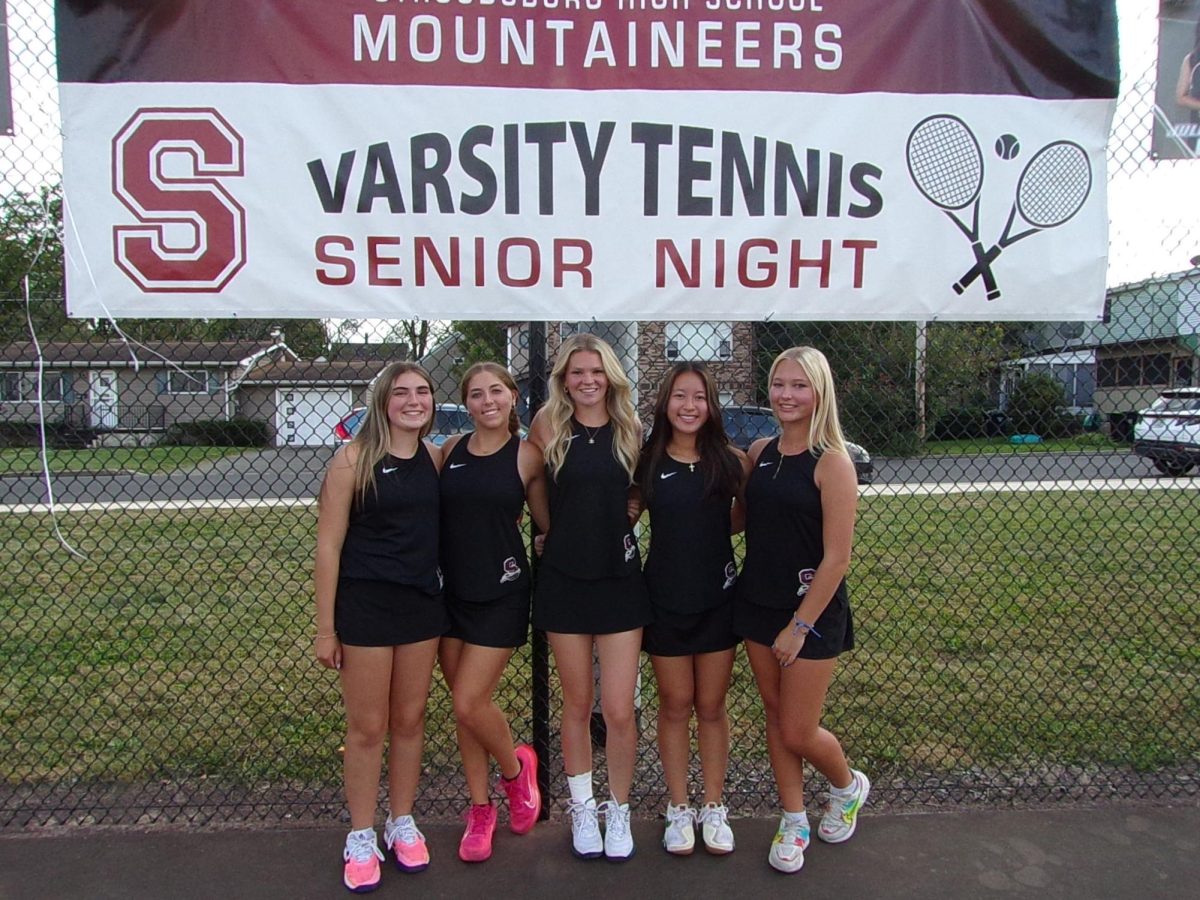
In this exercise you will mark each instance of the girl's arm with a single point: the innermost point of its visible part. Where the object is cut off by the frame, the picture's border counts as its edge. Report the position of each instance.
(333, 517)
(1183, 87)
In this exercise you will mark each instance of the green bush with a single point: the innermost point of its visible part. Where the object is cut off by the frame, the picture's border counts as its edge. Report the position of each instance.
(218, 433)
(1035, 407)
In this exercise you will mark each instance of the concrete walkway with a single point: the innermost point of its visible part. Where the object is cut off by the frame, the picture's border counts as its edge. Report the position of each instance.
(1118, 851)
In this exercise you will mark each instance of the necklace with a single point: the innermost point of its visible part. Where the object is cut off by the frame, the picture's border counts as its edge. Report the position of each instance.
(591, 435)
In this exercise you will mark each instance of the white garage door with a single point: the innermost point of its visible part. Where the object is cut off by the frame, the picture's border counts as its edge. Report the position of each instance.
(304, 417)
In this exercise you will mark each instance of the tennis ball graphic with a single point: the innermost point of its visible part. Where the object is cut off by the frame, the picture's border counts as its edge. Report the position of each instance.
(1007, 146)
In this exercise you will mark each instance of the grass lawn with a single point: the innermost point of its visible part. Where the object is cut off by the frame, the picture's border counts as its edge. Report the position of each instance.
(993, 630)
(147, 460)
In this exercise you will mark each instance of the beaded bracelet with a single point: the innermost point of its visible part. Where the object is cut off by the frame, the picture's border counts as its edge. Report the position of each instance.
(798, 623)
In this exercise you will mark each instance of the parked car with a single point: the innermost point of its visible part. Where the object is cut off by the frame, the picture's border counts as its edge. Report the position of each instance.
(746, 424)
(448, 419)
(1168, 433)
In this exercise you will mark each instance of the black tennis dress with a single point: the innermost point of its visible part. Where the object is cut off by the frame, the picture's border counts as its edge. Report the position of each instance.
(689, 571)
(389, 584)
(784, 545)
(483, 554)
(590, 578)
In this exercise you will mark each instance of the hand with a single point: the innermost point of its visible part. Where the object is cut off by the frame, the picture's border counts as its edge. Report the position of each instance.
(633, 509)
(329, 651)
(787, 645)
(539, 544)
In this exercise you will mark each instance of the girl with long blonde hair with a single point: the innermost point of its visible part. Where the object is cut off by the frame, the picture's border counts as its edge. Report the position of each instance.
(380, 612)
(590, 591)
(792, 606)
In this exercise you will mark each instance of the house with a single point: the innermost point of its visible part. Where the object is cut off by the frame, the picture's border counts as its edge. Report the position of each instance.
(647, 350)
(1149, 340)
(113, 393)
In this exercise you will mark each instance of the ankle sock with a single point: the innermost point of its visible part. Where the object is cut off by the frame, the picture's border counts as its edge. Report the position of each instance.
(580, 786)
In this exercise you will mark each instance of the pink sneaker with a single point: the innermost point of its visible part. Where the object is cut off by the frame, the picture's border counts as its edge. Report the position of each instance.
(524, 798)
(362, 857)
(476, 843)
(402, 836)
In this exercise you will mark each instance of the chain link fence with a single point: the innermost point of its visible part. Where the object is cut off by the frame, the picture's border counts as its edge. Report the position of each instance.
(1024, 582)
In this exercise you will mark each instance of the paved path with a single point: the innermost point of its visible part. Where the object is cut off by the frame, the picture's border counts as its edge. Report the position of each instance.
(1136, 851)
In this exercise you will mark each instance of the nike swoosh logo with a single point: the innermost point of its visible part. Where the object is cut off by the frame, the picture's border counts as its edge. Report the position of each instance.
(387, 471)
(457, 465)
(665, 475)
(760, 465)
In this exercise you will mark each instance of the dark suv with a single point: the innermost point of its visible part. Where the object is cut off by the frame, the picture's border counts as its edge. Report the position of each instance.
(746, 424)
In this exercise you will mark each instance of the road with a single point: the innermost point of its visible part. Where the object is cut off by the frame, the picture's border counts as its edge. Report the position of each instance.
(295, 473)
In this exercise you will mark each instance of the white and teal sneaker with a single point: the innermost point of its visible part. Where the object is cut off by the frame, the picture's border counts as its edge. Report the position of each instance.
(841, 816)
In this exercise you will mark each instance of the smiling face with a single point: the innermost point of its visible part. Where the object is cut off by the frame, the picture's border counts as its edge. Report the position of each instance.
(793, 399)
(489, 401)
(687, 404)
(585, 381)
(410, 402)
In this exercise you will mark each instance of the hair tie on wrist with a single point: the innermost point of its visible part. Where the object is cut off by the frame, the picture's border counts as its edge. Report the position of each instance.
(798, 624)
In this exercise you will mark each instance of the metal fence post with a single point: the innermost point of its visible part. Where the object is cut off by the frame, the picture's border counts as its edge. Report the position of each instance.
(540, 656)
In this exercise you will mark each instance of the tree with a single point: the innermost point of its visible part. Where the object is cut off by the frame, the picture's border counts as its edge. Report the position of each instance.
(479, 341)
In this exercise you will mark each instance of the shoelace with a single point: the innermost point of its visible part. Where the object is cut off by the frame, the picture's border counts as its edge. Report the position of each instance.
(360, 848)
(404, 831)
(477, 819)
(716, 816)
(679, 816)
(616, 819)
(584, 818)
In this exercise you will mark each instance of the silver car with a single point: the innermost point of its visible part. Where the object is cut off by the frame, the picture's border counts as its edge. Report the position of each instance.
(1168, 433)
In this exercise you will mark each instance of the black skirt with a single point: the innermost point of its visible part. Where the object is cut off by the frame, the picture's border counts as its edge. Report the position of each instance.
(502, 622)
(566, 605)
(762, 625)
(385, 614)
(686, 634)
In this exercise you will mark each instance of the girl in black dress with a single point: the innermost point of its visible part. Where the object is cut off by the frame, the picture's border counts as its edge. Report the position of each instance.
(590, 590)
(688, 477)
(792, 607)
(379, 610)
(487, 477)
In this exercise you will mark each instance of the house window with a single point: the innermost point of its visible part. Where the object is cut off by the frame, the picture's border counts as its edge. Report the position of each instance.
(187, 381)
(711, 341)
(16, 387)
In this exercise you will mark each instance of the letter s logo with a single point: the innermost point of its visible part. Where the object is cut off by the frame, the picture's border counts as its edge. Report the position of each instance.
(166, 168)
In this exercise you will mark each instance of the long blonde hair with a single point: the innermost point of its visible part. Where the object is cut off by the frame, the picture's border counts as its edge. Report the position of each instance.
(374, 438)
(627, 430)
(824, 428)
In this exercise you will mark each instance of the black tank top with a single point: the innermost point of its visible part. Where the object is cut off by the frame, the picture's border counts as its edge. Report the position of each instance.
(393, 531)
(690, 564)
(590, 536)
(483, 555)
(784, 538)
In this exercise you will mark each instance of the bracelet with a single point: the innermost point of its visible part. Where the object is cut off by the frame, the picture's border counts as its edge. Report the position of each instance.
(333, 634)
(798, 623)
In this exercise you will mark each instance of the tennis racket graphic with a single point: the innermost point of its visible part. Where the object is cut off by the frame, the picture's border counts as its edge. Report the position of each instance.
(1052, 189)
(946, 165)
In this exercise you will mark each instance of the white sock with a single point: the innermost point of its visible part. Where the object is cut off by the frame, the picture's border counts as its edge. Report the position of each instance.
(848, 791)
(796, 818)
(580, 786)
(366, 831)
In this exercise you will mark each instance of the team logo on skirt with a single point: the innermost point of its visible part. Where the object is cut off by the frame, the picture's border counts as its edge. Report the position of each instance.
(730, 575)
(806, 577)
(512, 571)
(441, 580)
(630, 547)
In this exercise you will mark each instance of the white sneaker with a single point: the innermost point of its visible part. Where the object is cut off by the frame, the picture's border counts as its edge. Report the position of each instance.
(841, 816)
(680, 834)
(618, 839)
(715, 830)
(585, 829)
(788, 846)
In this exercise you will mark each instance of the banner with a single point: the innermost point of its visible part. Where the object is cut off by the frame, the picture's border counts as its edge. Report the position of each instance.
(1177, 92)
(587, 159)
